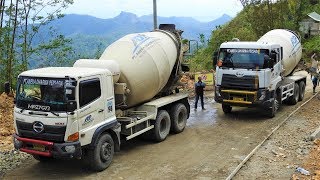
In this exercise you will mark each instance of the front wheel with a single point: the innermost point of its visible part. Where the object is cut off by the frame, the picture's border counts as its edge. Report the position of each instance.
(271, 112)
(99, 158)
(302, 88)
(226, 108)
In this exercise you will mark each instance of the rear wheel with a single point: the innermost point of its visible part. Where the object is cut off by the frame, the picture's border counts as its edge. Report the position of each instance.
(226, 108)
(178, 115)
(162, 126)
(99, 158)
(302, 88)
(295, 98)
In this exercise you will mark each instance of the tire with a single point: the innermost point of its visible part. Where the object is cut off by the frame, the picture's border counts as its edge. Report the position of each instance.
(302, 88)
(295, 98)
(162, 126)
(271, 112)
(226, 108)
(42, 158)
(178, 116)
(99, 158)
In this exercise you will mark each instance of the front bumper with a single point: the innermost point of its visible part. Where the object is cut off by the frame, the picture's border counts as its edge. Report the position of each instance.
(46, 148)
(245, 98)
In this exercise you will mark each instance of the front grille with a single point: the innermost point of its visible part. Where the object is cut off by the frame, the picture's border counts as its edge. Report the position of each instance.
(50, 133)
(243, 83)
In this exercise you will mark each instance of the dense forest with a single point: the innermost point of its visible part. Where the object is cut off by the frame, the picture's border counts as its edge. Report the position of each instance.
(22, 40)
(257, 18)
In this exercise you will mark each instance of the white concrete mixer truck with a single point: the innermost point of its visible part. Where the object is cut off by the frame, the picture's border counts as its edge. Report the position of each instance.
(82, 111)
(259, 74)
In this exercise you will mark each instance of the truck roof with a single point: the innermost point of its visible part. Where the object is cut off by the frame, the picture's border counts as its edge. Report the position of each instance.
(247, 45)
(62, 72)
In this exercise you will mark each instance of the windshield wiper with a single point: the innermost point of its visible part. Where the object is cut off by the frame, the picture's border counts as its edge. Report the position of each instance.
(35, 113)
(54, 113)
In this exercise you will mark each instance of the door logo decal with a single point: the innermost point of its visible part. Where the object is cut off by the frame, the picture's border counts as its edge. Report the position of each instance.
(110, 106)
(88, 120)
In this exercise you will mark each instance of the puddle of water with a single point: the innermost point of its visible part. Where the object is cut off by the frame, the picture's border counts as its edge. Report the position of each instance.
(201, 117)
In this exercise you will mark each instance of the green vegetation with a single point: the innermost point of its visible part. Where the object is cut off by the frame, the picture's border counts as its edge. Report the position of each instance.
(20, 23)
(255, 20)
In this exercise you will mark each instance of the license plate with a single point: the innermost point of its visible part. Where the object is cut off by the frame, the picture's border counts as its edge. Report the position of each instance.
(237, 99)
(39, 147)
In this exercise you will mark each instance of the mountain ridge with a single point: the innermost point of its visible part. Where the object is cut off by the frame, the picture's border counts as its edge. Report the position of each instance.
(126, 23)
(91, 35)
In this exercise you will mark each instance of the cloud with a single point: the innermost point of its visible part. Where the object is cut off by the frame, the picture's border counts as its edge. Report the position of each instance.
(189, 8)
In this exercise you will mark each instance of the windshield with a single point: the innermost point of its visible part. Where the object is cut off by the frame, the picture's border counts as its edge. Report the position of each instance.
(243, 58)
(42, 94)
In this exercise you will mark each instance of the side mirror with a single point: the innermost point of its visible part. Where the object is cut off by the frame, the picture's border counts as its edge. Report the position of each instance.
(71, 106)
(273, 56)
(70, 93)
(271, 63)
(70, 90)
(7, 87)
(215, 58)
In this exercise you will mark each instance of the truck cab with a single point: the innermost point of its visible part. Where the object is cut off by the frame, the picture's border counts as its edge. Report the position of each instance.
(66, 109)
(252, 74)
(245, 72)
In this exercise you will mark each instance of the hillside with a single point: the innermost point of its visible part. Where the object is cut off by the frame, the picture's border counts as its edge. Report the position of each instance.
(256, 20)
(90, 35)
(126, 23)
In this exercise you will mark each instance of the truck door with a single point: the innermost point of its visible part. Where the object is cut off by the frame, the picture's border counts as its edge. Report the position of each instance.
(92, 107)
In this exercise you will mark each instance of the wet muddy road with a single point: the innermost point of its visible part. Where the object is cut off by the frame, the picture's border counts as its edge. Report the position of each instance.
(211, 146)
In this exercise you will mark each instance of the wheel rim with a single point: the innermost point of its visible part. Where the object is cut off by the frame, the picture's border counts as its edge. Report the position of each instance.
(302, 91)
(163, 126)
(106, 150)
(180, 118)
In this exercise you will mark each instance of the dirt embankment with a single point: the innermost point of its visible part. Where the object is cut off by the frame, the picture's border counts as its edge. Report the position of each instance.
(289, 148)
(6, 122)
(312, 162)
(9, 158)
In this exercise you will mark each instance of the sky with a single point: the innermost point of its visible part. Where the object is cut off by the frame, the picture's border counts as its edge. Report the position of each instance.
(202, 10)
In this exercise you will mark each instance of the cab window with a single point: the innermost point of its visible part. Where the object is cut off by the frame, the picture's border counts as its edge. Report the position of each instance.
(89, 91)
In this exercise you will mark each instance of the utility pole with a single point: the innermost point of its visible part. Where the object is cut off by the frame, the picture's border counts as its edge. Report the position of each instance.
(155, 23)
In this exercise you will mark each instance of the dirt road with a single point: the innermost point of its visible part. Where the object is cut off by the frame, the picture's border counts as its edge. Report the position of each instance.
(211, 146)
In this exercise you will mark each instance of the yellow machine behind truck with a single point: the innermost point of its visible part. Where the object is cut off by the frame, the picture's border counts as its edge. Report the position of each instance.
(81, 111)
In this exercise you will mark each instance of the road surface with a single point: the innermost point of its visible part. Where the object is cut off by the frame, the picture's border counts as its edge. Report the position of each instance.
(211, 146)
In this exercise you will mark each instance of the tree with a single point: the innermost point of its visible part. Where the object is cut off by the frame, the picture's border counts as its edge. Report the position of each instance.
(202, 39)
(34, 15)
(20, 23)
